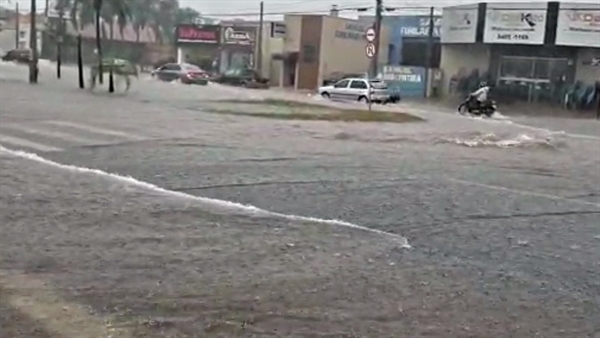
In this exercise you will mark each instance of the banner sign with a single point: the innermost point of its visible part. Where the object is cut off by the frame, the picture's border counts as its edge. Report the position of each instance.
(238, 35)
(198, 34)
(515, 23)
(459, 24)
(578, 25)
(409, 81)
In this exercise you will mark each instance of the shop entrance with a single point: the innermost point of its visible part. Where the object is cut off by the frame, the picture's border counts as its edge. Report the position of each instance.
(532, 78)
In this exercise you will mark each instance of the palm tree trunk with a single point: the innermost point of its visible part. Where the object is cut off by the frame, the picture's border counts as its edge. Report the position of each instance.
(99, 47)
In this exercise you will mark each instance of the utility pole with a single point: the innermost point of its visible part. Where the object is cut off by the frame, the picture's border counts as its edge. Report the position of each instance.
(259, 40)
(428, 62)
(33, 63)
(59, 40)
(18, 27)
(378, 19)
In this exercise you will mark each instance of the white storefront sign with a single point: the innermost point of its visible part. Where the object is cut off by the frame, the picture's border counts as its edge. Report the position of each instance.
(578, 25)
(459, 24)
(515, 23)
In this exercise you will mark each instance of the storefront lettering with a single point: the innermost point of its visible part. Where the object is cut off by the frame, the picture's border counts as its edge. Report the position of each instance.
(591, 18)
(517, 37)
(418, 31)
(195, 34)
(349, 35)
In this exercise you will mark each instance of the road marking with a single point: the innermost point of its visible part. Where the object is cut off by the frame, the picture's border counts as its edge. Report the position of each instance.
(240, 208)
(28, 144)
(95, 130)
(523, 192)
(36, 300)
(53, 134)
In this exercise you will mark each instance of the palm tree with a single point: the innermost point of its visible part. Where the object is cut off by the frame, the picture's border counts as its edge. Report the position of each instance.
(145, 15)
(83, 10)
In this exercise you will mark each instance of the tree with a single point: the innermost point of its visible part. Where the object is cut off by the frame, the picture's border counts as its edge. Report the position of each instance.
(186, 15)
(84, 10)
(144, 15)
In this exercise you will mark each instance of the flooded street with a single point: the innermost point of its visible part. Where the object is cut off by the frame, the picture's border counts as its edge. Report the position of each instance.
(153, 213)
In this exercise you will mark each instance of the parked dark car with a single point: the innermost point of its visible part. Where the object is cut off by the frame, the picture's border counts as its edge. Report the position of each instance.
(18, 55)
(245, 77)
(184, 72)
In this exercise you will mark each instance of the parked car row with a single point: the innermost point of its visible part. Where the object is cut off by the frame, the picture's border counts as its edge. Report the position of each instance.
(360, 89)
(192, 74)
(355, 88)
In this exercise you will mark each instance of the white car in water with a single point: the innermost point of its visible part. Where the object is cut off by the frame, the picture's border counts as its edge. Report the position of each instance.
(357, 89)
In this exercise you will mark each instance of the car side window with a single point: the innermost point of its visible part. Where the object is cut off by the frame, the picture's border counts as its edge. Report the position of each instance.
(358, 84)
(172, 67)
(342, 84)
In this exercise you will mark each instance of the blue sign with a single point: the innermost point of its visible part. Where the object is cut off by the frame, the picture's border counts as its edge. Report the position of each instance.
(410, 27)
(415, 26)
(410, 81)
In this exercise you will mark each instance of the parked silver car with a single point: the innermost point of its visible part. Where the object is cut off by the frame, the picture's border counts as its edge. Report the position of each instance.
(357, 89)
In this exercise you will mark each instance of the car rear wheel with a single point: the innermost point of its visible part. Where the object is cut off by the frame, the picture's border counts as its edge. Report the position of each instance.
(325, 95)
(363, 99)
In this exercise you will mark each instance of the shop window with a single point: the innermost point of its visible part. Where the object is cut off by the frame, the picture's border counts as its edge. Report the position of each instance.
(532, 68)
(516, 67)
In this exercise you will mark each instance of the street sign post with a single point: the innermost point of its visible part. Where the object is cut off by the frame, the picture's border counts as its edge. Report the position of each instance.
(370, 50)
(370, 34)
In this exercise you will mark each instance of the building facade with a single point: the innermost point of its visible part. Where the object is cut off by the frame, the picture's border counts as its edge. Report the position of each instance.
(529, 51)
(199, 44)
(409, 39)
(317, 46)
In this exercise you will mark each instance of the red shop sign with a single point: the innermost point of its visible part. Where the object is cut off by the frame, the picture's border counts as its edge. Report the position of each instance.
(198, 34)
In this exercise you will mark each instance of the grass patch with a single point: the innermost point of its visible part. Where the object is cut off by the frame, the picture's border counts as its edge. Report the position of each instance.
(277, 103)
(327, 114)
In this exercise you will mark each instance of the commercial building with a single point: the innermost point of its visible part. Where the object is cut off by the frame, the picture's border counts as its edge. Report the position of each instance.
(409, 39)
(530, 51)
(237, 44)
(199, 44)
(318, 46)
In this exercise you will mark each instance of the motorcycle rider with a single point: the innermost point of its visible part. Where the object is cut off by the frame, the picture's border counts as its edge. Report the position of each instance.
(481, 94)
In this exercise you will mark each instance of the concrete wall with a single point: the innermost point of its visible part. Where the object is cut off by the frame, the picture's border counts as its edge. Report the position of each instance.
(307, 68)
(293, 28)
(585, 72)
(465, 56)
(271, 69)
(343, 47)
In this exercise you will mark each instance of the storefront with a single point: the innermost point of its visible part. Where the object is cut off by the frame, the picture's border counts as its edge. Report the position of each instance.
(410, 40)
(237, 46)
(198, 44)
(529, 51)
(317, 47)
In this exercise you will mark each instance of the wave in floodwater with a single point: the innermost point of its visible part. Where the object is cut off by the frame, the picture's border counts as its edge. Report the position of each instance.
(491, 140)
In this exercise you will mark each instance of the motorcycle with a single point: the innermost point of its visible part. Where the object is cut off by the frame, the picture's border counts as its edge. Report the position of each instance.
(473, 107)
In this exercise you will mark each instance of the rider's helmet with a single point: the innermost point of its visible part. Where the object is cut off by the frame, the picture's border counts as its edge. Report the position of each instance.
(482, 84)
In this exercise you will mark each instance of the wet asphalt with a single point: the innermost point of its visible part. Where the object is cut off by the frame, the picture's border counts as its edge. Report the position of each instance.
(505, 211)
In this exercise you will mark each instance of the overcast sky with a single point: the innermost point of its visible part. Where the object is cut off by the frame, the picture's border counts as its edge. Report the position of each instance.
(233, 7)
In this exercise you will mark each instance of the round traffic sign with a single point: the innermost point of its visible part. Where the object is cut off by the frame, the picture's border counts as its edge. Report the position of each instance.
(370, 34)
(370, 50)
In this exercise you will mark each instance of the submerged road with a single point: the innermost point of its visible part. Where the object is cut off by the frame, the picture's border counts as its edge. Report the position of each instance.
(502, 218)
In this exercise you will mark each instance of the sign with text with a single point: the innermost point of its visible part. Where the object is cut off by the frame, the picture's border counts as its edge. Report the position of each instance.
(351, 31)
(238, 35)
(515, 23)
(578, 25)
(459, 24)
(410, 81)
(198, 34)
(416, 26)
